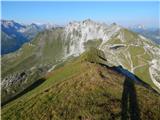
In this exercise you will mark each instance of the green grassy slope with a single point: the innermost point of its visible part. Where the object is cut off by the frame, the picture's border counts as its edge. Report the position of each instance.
(42, 50)
(8, 44)
(34, 58)
(131, 52)
(84, 90)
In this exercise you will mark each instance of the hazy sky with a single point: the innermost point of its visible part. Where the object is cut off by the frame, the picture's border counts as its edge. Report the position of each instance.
(124, 13)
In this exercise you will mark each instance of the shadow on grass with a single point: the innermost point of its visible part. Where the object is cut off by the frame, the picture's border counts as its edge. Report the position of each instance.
(129, 103)
(134, 78)
(130, 108)
(31, 87)
(131, 76)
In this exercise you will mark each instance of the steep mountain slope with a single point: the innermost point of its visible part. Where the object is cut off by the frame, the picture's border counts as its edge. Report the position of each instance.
(52, 47)
(12, 30)
(8, 43)
(121, 46)
(151, 33)
(85, 89)
(33, 59)
(18, 34)
(136, 54)
(78, 33)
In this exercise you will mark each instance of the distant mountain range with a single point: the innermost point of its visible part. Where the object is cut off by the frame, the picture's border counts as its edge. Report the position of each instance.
(15, 34)
(150, 33)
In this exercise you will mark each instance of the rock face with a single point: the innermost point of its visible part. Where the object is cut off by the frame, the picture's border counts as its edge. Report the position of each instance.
(17, 82)
(54, 46)
(77, 33)
(10, 80)
(121, 47)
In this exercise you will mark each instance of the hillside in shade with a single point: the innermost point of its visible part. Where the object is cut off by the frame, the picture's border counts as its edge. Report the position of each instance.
(15, 34)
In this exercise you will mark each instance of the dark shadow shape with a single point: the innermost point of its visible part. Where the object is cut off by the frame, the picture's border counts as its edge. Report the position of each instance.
(130, 109)
(129, 103)
(31, 87)
(102, 58)
(130, 75)
(102, 76)
(116, 47)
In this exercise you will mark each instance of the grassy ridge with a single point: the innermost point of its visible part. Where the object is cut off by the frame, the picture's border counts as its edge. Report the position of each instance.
(81, 90)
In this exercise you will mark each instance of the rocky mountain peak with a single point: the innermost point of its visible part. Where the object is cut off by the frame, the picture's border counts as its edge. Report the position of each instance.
(7, 22)
(88, 21)
(11, 24)
(114, 24)
(78, 33)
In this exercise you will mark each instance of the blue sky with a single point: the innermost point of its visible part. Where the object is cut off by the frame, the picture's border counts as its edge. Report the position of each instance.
(124, 13)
